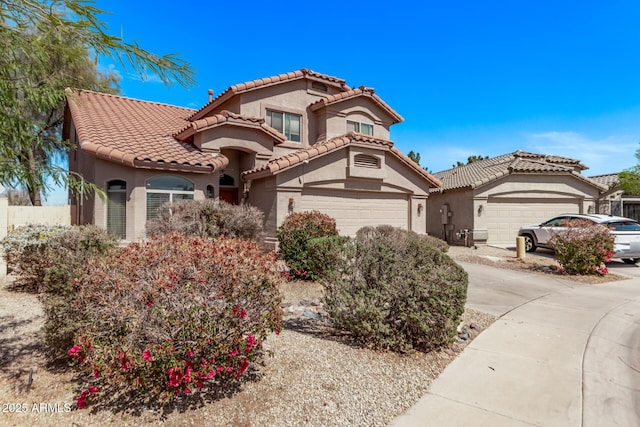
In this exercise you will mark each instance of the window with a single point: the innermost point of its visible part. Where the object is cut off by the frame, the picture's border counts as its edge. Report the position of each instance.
(364, 128)
(166, 188)
(227, 180)
(211, 191)
(117, 208)
(285, 123)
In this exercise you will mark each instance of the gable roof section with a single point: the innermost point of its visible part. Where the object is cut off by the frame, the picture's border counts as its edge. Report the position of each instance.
(354, 93)
(609, 181)
(283, 163)
(485, 171)
(267, 81)
(228, 118)
(136, 133)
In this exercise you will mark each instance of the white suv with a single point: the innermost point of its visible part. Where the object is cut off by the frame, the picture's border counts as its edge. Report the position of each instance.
(625, 230)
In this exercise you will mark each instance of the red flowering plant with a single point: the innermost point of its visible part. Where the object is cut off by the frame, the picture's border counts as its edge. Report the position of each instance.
(583, 248)
(174, 313)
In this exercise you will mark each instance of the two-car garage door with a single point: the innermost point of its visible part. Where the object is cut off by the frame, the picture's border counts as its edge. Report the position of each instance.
(505, 216)
(353, 210)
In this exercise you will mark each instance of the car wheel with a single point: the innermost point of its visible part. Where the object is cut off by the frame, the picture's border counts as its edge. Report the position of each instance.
(529, 243)
(631, 260)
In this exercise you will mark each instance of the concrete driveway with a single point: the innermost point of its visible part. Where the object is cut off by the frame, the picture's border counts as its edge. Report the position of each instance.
(561, 354)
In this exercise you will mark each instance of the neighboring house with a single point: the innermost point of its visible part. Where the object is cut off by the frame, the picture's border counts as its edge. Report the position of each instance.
(492, 198)
(293, 142)
(613, 201)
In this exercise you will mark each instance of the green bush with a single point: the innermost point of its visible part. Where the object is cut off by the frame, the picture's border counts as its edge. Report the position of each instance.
(208, 218)
(326, 254)
(175, 313)
(293, 238)
(436, 242)
(583, 248)
(394, 290)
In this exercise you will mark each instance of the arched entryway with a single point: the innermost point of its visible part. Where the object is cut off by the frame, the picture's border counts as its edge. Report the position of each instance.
(228, 189)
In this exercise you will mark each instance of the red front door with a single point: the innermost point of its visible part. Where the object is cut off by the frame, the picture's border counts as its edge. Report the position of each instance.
(229, 194)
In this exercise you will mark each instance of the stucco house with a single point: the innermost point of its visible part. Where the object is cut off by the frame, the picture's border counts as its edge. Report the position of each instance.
(493, 198)
(292, 142)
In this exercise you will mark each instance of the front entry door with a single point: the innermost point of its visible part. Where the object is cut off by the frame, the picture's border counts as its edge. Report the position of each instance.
(229, 194)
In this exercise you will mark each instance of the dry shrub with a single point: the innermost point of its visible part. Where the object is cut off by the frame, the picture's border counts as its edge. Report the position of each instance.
(208, 218)
(391, 289)
(171, 314)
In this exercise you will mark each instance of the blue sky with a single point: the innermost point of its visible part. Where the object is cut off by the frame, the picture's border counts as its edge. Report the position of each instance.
(469, 77)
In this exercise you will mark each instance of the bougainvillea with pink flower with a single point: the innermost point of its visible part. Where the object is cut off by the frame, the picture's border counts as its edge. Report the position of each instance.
(583, 247)
(175, 313)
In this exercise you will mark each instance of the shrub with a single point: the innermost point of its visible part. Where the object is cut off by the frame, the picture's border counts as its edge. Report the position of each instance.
(396, 291)
(36, 254)
(583, 248)
(436, 242)
(326, 254)
(67, 254)
(174, 313)
(24, 252)
(208, 218)
(294, 235)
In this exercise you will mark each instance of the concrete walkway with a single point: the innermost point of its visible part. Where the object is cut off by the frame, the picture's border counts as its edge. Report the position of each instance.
(561, 354)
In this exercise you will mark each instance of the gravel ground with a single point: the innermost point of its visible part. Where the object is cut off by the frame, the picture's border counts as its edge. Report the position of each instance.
(313, 378)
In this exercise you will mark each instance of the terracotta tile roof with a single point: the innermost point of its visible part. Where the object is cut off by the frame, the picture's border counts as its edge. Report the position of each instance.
(290, 160)
(136, 133)
(255, 84)
(353, 93)
(227, 117)
(609, 180)
(484, 171)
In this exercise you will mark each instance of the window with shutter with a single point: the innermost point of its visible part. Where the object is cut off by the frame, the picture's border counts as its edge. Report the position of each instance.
(166, 188)
(117, 208)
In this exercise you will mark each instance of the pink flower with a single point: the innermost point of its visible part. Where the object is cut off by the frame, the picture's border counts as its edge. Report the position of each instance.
(189, 353)
(81, 402)
(92, 389)
(96, 373)
(74, 350)
(146, 355)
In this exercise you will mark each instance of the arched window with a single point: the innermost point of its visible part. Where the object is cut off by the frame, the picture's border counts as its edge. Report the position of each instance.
(227, 180)
(211, 192)
(117, 208)
(166, 188)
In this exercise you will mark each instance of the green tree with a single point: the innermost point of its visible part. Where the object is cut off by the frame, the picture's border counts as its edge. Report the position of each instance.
(471, 159)
(415, 156)
(46, 46)
(630, 178)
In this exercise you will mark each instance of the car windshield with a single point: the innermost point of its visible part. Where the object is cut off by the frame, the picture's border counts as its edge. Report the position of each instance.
(623, 226)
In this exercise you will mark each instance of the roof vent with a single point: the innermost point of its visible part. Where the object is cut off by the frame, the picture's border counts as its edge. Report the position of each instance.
(210, 95)
(319, 86)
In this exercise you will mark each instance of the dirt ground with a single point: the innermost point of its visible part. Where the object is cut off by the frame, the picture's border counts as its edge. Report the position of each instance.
(312, 378)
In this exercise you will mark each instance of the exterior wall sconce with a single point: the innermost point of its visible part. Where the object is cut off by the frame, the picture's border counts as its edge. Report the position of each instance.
(420, 208)
(480, 210)
(292, 204)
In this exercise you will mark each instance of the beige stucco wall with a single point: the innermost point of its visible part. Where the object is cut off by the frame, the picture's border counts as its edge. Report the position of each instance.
(460, 207)
(359, 109)
(331, 172)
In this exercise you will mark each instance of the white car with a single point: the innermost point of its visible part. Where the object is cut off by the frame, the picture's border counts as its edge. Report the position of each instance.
(625, 230)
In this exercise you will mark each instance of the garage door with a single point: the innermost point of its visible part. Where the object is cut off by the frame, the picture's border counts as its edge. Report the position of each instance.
(506, 216)
(354, 210)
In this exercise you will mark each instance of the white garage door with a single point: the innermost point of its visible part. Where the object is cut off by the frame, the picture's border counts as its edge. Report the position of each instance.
(354, 210)
(506, 216)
